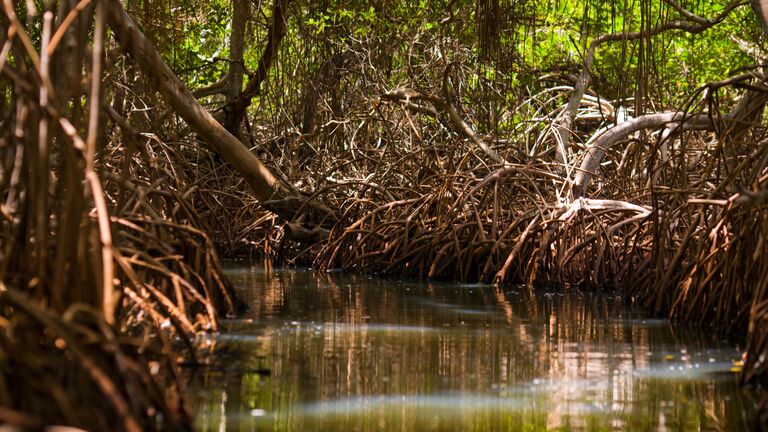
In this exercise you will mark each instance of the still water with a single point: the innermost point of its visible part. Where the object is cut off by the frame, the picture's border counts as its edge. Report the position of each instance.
(324, 352)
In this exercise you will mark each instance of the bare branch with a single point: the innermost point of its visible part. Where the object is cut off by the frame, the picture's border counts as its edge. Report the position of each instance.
(692, 24)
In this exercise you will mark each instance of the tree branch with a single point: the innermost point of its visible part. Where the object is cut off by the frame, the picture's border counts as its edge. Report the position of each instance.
(692, 24)
(262, 181)
(745, 113)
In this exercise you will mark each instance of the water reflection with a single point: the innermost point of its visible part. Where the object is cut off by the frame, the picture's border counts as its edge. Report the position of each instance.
(325, 352)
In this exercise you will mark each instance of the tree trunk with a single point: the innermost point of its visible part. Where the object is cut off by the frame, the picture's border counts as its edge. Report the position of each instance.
(274, 195)
(235, 111)
(241, 11)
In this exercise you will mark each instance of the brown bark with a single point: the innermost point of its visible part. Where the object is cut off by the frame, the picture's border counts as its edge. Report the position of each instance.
(236, 110)
(733, 127)
(241, 10)
(760, 7)
(325, 82)
(264, 184)
(454, 120)
(273, 194)
(297, 232)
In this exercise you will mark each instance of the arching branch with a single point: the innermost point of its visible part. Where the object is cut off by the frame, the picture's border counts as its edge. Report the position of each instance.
(691, 24)
(745, 113)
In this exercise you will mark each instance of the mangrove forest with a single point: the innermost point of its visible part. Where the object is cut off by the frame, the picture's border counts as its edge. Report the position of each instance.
(383, 215)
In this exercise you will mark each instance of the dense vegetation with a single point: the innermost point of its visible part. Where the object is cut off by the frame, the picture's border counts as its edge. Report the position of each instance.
(577, 143)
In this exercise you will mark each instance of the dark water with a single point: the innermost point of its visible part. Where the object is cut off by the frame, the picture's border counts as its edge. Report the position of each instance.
(320, 352)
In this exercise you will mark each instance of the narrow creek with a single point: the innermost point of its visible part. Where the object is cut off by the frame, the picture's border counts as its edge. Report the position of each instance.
(330, 352)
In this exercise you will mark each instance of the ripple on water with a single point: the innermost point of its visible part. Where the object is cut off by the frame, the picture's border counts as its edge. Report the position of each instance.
(457, 357)
(445, 404)
(684, 371)
(459, 309)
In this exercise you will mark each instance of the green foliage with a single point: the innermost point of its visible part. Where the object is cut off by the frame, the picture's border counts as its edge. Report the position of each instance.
(536, 37)
(203, 49)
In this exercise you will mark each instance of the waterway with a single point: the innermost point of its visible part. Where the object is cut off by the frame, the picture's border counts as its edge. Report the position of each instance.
(326, 352)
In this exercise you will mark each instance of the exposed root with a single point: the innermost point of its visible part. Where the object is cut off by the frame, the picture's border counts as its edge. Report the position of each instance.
(126, 383)
(675, 219)
(105, 279)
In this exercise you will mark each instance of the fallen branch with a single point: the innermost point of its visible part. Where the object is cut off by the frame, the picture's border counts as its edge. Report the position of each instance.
(262, 181)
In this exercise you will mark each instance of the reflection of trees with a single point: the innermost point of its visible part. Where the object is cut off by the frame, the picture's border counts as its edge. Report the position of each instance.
(562, 356)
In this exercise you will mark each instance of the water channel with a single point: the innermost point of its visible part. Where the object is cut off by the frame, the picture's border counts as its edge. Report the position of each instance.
(324, 352)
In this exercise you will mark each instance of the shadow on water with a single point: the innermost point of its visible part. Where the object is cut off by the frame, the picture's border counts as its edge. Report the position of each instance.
(330, 352)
